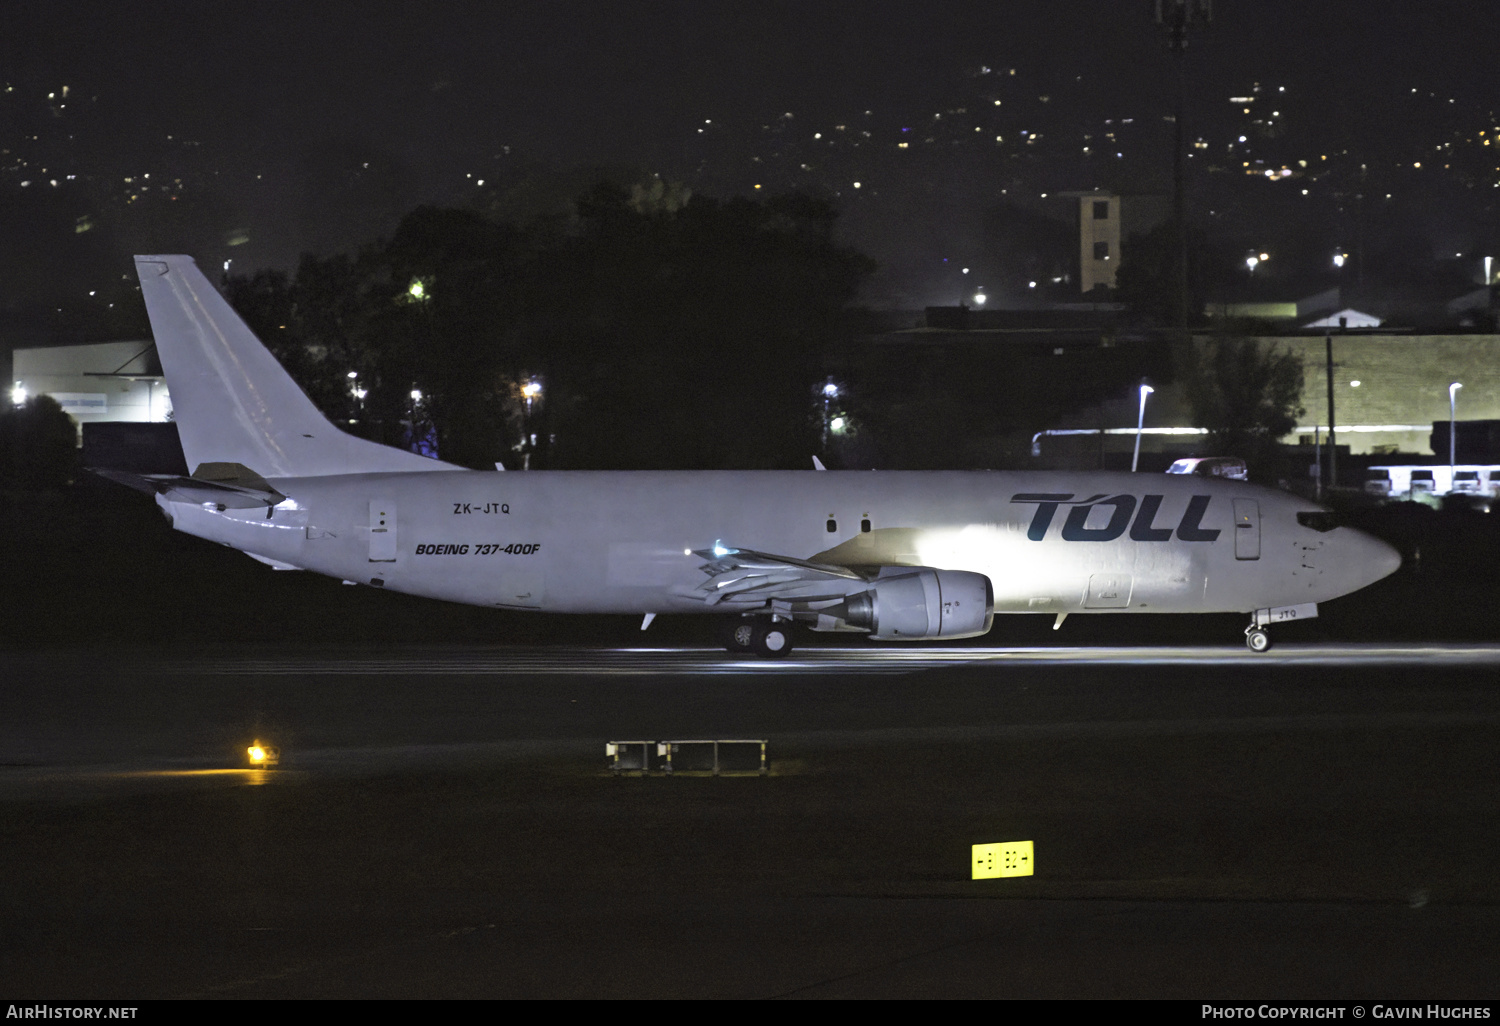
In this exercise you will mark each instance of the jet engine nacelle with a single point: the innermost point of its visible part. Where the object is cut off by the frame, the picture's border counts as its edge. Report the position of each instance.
(924, 604)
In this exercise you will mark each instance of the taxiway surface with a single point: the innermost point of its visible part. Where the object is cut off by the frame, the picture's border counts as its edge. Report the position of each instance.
(1315, 822)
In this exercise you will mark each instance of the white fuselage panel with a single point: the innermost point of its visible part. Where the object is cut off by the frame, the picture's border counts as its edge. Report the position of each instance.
(623, 542)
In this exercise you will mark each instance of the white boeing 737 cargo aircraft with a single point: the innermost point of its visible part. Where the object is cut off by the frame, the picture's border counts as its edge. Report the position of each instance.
(896, 555)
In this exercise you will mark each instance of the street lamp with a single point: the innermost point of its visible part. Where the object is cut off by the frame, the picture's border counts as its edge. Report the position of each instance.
(531, 391)
(1140, 423)
(357, 393)
(830, 393)
(1452, 426)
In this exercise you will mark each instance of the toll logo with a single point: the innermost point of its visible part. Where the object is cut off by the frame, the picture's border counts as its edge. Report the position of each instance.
(1126, 512)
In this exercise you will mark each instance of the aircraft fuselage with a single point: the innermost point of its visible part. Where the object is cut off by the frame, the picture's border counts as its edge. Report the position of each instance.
(632, 542)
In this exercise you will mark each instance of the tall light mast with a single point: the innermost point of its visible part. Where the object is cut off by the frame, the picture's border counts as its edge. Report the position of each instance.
(1177, 16)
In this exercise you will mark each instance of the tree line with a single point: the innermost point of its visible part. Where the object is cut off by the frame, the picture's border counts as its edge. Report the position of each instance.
(646, 327)
(649, 329)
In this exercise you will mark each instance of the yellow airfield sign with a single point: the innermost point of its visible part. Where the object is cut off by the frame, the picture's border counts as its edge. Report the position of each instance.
(1008, 858)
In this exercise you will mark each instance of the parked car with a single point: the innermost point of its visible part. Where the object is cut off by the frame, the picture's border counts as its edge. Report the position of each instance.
(1467, 481)
(1212, 466)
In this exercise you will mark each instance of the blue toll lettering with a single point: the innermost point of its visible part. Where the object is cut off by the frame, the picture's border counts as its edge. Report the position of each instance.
(1074, 529)
(1141, 530)
(1191, 528)
(1042, 519)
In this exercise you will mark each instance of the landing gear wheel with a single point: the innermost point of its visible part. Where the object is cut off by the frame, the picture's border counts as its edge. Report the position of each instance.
(1257, 639)
(739, 636)
(772, 640)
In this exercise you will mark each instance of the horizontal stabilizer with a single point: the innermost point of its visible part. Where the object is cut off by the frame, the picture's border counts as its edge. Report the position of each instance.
(197, 490)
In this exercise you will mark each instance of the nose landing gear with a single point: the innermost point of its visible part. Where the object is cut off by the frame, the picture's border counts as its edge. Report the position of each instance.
(1257, 638)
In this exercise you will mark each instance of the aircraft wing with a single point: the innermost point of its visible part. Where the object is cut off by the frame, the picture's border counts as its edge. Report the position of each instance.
(738, 577)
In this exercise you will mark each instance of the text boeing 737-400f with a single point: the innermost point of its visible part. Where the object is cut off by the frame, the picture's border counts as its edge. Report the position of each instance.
(896, 555)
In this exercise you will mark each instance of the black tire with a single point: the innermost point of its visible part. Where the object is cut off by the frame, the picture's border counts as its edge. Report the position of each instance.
(773, 640)
(1258, 640)
(739, 635)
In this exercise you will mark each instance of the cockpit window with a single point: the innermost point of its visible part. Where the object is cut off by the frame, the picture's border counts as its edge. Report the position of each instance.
(1318, 520)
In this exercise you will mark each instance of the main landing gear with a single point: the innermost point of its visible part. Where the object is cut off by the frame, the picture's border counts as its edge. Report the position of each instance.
(769, 639)
(1257, 638)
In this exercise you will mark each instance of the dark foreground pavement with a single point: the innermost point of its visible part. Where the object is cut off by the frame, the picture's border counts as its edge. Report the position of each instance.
(441, 826)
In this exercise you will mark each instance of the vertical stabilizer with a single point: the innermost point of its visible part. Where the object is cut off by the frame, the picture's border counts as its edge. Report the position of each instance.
(233, 403)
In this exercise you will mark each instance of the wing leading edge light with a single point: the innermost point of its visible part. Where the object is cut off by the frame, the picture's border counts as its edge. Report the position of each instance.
(896, 555)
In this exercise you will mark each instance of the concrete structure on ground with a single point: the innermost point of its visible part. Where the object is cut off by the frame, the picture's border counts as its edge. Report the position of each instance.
(1390, 389)
(1389, 392)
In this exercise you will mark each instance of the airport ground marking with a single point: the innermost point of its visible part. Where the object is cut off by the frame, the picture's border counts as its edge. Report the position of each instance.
(1006, 858)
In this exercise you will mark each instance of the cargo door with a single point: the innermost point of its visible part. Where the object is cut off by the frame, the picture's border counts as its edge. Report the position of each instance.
(1246, 529)
(382, 531)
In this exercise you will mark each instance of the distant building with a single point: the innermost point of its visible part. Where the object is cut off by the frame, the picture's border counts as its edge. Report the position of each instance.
(1390, 396)
(1425, 308)
(1098, 240)
(1474, 307)
(101, 382)
(1277, 309)
(1390, 387)
(1389, 390)
(1105, 221)
(1346, 318)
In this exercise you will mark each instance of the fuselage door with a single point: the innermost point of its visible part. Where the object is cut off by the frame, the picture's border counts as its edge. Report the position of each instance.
(382, 530)
(1246, 529)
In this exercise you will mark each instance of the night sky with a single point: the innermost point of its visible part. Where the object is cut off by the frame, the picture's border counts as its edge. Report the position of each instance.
(431, 93)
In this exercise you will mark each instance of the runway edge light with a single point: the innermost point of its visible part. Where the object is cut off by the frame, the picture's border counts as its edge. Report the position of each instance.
(1007, 858)
(263, 756)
